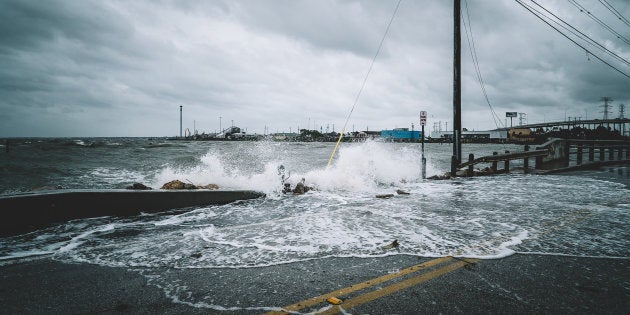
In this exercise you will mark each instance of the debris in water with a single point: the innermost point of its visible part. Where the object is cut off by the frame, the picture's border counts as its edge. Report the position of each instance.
(333, 300)
(391, 245)
(385, 196)
(401, 192)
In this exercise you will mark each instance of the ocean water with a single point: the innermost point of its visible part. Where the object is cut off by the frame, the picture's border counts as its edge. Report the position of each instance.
(577, 214)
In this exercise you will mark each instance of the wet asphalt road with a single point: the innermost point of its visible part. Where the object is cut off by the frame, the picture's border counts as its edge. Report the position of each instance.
(516, 284)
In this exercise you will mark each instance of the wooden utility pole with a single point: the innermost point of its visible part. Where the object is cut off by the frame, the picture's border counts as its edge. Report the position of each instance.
(457, 90)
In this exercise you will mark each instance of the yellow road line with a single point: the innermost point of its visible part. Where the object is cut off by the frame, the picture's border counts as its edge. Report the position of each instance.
(373, 295)
(360, 286)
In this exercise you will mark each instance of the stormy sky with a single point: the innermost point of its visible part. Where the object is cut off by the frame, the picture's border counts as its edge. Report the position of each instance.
(123, 68)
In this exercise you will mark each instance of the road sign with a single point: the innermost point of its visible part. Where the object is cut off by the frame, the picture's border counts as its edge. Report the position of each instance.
(423, 118)
(511, 114)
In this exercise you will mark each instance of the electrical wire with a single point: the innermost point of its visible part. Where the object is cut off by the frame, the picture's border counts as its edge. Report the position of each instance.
(531, 10)
(615, 12)
(475, 59)
(600, 22)
(582, 36)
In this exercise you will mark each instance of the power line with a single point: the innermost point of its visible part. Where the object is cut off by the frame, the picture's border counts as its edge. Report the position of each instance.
(600, 22)
(615, 12)
(473, 55)
(531, 10)
(581, 35)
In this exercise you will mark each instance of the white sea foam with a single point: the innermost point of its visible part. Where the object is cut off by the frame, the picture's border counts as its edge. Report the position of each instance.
(477, 217)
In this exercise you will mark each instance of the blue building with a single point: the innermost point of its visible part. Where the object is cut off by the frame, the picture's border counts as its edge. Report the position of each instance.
(400, 134)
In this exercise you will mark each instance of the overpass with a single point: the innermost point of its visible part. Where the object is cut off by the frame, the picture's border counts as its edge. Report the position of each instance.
(621, 124)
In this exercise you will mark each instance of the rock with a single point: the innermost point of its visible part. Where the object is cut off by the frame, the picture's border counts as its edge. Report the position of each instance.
(209, 186)
(177, 184)
(138, 186)
(300, 188)
(401, 192)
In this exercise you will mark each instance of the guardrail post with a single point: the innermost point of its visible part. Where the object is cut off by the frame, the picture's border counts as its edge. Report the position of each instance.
(526, 161)
(494, 164)
(471, 158)
(591, 152)
(507, 163)
(579, 154)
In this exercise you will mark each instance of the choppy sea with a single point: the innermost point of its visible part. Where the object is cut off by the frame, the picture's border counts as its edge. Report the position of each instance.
(575, 214)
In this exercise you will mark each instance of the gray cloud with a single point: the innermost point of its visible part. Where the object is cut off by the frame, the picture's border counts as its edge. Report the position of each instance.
(119, 68)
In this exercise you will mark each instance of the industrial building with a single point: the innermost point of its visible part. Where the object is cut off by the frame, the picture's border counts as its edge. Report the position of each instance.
(400, 135)
(476, 136)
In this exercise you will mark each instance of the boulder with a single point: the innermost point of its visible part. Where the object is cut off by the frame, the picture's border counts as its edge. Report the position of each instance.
(177, 184)
(209, 186)
(138, 186)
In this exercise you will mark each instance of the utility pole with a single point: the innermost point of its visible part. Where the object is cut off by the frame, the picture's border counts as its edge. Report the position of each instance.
(180, 120)
(456, 159)
(606, 106)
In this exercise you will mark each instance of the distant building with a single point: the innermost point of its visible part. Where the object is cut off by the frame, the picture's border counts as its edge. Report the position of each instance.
(490, 135)
(400, 134)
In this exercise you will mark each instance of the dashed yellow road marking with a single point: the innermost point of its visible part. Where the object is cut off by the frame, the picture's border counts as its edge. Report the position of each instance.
(360, 286)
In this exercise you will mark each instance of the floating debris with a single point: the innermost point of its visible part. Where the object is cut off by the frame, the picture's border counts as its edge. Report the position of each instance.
(385, 196)
(391, 245)
(401, 192)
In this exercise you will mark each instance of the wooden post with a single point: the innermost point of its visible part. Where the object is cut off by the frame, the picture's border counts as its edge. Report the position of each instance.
(579, 154)
(611, 153)
(602, 155)
(526, 161)
(620, 153)
(471, 158)
(591, 152)
(507, 163)
(539, 162)
(494, 164)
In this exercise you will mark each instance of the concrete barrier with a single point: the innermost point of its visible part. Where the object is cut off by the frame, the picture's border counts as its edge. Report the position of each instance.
(22, 213)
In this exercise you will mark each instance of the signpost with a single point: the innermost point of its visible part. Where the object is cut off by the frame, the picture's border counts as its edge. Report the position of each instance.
(511, 115)
(423, 122)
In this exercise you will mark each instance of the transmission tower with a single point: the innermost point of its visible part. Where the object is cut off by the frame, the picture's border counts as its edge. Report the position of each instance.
(606, 105)
(522, 117)
(621, 109)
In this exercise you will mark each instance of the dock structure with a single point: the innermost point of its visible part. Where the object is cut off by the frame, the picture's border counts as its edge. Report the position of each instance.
(30, 211)
(556, 155)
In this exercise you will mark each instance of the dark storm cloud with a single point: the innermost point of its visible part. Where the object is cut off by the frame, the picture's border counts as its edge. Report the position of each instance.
(124, 68)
